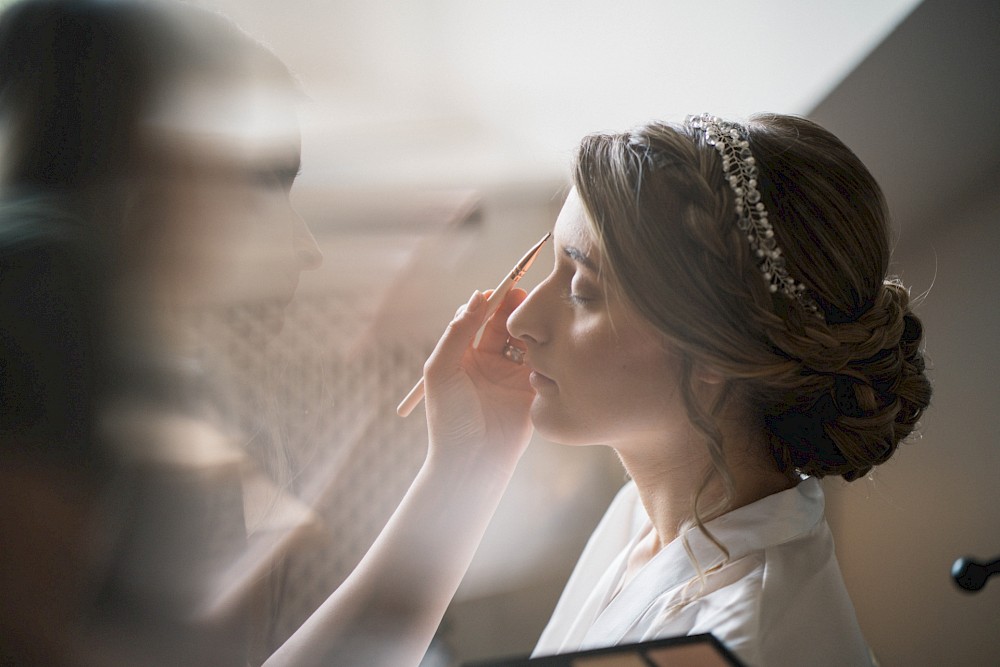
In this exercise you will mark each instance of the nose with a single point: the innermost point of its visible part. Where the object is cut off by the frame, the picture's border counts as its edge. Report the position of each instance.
(307, 251)
(526, 323)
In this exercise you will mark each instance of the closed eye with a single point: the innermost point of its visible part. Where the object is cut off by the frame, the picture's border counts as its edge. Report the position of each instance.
(275, 176)
(582, 293)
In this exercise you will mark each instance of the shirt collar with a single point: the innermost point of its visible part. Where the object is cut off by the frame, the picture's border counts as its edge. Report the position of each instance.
(772, 520)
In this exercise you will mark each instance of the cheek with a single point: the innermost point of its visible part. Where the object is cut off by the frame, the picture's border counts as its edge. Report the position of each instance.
(640, 377)
(245, 246)
(255, 225)
(616, 388)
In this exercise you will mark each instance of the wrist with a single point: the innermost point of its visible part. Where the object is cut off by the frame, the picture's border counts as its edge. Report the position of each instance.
(470, 464)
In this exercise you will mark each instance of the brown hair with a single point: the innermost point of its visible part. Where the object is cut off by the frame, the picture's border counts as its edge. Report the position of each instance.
(79, 78)
(835, 395)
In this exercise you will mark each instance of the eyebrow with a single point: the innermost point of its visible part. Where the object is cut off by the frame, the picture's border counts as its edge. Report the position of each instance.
(580, 257)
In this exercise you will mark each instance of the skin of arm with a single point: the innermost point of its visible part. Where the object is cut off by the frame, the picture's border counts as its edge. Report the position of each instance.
(388, 609)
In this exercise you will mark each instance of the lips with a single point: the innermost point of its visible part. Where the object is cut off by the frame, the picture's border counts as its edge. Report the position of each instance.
(540, 382)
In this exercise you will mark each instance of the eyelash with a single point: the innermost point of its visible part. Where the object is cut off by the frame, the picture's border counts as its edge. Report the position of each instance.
(573, 297)
(577, 299)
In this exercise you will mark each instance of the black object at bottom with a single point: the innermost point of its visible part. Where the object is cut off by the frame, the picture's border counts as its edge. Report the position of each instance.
(692, 651)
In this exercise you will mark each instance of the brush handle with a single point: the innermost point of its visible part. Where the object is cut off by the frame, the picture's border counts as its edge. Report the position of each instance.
(493, 302)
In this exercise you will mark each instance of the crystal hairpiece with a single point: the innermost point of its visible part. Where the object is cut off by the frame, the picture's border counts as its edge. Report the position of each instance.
(740, 168)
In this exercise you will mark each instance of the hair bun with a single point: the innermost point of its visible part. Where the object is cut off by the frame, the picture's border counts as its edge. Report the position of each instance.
(868, 391)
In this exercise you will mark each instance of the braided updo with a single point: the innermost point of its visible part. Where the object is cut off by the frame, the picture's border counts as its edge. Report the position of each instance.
(835, 394)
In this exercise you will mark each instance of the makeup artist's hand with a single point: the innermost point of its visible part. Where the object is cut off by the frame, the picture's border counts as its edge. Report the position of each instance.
(477, 399)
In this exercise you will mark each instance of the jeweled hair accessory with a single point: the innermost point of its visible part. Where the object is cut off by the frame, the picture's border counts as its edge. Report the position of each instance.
(740, 168)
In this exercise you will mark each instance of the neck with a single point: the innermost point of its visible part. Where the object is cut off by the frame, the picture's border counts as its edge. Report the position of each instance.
(669, 475)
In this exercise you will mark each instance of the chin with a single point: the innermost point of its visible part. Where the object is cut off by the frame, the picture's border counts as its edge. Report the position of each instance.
(559, 427)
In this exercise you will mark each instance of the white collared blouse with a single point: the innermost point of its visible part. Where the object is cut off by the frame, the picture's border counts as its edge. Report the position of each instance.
(779, 600)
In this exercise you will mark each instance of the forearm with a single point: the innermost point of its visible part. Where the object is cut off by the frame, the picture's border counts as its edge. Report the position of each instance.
(386, 612)
(388, 609)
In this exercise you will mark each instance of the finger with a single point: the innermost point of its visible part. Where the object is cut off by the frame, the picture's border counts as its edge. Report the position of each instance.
(495, 334)
(458, 335)
(461, 309)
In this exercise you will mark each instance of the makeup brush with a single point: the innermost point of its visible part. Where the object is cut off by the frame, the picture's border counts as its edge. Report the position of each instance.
(492, 303)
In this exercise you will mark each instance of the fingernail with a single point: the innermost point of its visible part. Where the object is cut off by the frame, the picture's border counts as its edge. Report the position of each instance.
(474, 300)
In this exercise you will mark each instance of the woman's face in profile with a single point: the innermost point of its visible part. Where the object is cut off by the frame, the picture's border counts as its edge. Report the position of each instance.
(232, 158)
(602, 374)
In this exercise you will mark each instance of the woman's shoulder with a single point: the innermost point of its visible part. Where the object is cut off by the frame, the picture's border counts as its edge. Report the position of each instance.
(624, 517)
(626, 496)
(626, 510)
(764, 604)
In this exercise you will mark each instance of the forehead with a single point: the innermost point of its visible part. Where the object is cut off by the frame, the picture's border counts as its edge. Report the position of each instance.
(243, 121)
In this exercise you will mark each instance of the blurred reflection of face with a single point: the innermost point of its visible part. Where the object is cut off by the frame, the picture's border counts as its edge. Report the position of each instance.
(601, 374)
(231, 157)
